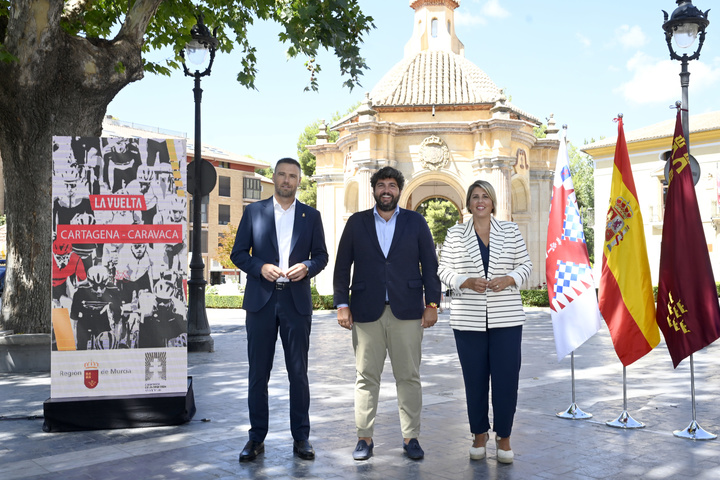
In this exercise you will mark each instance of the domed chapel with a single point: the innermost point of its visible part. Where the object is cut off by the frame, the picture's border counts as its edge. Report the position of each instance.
(442, 122)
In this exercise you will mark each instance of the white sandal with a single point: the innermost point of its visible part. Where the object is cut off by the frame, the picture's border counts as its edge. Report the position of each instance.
(478, 453)
(503, 456)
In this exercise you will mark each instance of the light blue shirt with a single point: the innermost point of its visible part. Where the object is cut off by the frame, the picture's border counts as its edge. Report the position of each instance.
(385, 229)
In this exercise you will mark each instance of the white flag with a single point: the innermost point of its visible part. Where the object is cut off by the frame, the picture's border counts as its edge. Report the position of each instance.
(571, 288)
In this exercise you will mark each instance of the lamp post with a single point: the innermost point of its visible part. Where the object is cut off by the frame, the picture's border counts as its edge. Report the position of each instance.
(686, 23)
(199, 339)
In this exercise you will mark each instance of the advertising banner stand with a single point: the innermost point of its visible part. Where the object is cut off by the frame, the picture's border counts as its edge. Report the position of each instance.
(132, 411)
(119, 285)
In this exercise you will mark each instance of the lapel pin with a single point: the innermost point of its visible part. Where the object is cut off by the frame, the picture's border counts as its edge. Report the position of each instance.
(303, 214)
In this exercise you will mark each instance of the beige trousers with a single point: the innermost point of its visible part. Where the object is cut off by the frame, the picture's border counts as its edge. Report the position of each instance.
(402, 340)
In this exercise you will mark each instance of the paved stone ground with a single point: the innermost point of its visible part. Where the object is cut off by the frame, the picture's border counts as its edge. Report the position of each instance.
(546, 447)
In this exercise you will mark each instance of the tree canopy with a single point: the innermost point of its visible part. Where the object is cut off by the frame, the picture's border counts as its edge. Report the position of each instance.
(308, 26)
(582, 170)
(226, 243)
(440, 214)
(61, 63)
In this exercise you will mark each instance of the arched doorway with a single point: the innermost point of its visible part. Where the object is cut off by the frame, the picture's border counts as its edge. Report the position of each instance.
(440, 213)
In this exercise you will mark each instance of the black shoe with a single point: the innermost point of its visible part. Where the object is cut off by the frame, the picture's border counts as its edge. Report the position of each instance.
(363, 451)
(413, 449)
(251, 451)
(304, 449)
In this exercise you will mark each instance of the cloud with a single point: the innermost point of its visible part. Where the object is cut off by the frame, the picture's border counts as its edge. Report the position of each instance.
(583, 39)
(493, 9)
(490, 9)
(657, 81)
(630, 37)
(468, 19)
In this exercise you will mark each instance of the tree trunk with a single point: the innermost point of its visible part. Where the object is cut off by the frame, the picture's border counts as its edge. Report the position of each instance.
(61, 85)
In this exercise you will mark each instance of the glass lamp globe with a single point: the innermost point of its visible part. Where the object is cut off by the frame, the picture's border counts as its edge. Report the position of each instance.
(196, 52)
(685, 35)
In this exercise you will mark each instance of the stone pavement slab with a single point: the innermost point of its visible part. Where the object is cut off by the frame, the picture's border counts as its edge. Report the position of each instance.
(546, 447)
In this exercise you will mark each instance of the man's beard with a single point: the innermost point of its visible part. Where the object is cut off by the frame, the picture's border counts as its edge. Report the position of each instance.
(386, 207)
(286, 194)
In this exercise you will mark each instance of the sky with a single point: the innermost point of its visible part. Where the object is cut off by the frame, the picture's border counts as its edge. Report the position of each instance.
(582, 61)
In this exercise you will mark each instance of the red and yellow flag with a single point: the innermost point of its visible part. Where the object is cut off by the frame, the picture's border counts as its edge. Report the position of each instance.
(625, 293)
(688, 313)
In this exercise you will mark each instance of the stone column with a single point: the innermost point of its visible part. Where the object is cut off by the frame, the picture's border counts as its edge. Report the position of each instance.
(365, 198)
(524, 222)
(541, 186)
(497, 171)
(329, 188)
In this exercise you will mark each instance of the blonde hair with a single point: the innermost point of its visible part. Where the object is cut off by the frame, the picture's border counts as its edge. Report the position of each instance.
(488, 189)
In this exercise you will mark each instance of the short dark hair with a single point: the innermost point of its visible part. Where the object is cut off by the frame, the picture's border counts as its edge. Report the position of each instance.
(289, 160)
(388, 172)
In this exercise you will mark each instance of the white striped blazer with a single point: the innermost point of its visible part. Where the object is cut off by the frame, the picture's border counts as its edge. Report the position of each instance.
(460, 259)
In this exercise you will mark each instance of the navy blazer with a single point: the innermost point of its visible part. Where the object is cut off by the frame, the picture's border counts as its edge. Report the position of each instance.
(408, 272)
(256, 244)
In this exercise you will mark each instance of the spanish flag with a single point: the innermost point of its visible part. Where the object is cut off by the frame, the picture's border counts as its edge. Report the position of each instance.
(625, 294)
(688, 313)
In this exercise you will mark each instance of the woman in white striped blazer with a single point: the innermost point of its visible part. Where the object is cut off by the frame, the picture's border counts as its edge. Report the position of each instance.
(484, 262)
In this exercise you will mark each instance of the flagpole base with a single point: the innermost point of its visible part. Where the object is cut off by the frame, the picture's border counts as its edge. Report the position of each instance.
(625, 421)
(574, 412)
(694, 432)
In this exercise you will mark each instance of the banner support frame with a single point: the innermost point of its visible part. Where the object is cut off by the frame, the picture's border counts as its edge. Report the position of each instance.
(625, 420)
(694, 431)
(573, 412)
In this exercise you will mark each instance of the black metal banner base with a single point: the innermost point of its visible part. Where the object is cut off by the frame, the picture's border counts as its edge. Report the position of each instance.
(134, 411)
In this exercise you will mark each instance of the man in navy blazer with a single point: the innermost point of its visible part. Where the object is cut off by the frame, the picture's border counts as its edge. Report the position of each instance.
(395, 294)
(280, 245)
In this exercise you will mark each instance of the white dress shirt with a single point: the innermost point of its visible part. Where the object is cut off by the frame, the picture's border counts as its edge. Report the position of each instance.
(284, 220)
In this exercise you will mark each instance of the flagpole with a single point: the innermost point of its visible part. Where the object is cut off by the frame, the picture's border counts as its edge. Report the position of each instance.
(573, 412)
(625, 420)
(694, 431)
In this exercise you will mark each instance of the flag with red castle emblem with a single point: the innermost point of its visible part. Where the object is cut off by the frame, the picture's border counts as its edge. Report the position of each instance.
(625, 294)
(687, 308)
(571, 288)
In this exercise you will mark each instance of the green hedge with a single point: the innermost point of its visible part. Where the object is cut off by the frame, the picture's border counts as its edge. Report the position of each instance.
(535, 298)
(223, 301)
(531, 298)
(320, 302)
(539, 298)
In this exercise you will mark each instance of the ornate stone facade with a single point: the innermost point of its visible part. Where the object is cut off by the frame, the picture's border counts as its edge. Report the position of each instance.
(443, 123)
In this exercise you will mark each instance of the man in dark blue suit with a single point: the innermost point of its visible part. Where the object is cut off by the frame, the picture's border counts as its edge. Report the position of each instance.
(280, 245)
(395, 294)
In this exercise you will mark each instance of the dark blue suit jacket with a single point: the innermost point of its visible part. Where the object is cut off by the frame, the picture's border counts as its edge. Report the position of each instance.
(400, 274)
(256, 244)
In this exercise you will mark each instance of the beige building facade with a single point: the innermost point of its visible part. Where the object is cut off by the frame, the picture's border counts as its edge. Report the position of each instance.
(442, 122)
(648, 148)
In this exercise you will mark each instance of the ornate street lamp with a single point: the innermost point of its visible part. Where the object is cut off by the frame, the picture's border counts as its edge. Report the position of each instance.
(686, 23)
(201, 181)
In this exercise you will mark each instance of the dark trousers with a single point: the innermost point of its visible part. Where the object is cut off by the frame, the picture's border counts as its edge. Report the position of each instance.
(485, 357)
(278, 315)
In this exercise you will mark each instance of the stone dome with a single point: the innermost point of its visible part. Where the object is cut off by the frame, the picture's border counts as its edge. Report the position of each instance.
(434, 78)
